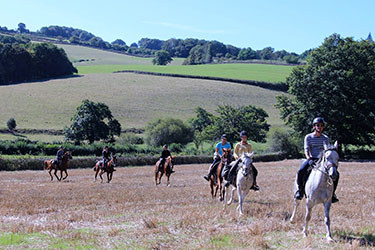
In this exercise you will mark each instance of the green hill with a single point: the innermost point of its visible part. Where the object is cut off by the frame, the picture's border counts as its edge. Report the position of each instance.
(133, 99)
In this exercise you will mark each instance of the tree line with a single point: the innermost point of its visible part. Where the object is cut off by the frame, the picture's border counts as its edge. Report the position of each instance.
(21, 60)
(196, 51)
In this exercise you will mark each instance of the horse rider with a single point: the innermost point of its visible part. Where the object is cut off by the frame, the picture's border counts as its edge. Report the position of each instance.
(230, 170)
(217, 155)
(106, 156)
(164, 155)
(59, 156)
(313, 147)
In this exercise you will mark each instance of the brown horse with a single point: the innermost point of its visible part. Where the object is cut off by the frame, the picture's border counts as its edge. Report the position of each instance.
(167, 169)
(216, 180)
(50, 165)
(109, 169)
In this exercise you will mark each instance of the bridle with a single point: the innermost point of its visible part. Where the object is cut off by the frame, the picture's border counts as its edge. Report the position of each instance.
(327, 167)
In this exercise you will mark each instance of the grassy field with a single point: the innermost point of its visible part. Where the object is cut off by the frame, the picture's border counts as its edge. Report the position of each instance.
(132, 213)
(101, 61)
(256, 72)
(92, 56)
(133, 99)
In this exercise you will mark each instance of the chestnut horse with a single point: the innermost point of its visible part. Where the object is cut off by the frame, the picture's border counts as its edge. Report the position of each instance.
(216, 180)
(166, 169)
(109, 169)
(50, 165)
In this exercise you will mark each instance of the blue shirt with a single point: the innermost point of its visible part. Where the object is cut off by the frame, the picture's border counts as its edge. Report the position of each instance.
(220, 146)
(315, 144)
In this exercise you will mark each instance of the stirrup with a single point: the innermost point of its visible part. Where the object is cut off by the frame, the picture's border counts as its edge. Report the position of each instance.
(334, 199)
(255, 187)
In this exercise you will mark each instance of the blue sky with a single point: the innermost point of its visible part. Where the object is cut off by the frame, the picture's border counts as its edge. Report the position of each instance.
(293, 25)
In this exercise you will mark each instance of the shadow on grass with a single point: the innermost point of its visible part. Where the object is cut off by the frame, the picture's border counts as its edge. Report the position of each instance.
(363, 239)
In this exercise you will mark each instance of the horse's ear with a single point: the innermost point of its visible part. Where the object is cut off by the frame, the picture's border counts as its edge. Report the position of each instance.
(336, 144)
(252, 154)
(325, 146)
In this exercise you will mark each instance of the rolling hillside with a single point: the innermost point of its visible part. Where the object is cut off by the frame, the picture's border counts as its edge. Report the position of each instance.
(133, 99)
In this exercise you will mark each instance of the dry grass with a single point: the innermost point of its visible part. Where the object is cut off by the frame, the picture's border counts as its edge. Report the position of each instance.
(132, 213)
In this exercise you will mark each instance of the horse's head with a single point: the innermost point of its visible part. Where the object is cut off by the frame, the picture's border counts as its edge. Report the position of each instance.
(226, 154)
(114, 160)
(246, 160)
(331, 160)
(67, 155)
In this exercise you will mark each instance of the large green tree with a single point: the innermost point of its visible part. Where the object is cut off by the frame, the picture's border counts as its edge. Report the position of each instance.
(231, 121)
(162, 57)
(92, 121)
(337, 83)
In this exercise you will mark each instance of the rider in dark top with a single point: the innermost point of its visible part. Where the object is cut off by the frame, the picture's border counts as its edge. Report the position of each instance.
(106, 156)
(59, 156)
(164, 155)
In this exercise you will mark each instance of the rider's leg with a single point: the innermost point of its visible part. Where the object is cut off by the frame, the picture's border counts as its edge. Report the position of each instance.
(335, 183)
(255, 174)
(231, 172)
(210, 170)
(301, 179)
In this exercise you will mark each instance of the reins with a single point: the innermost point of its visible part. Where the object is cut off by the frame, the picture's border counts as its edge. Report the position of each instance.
(326, 167)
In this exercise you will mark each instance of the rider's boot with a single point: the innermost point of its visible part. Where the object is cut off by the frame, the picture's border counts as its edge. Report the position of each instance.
(255, 187)
(299, 194)
(335, 183)
(207, 177)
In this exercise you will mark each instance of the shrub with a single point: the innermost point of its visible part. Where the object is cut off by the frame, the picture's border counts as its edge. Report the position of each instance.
(283, 141)
(11, 124)
(167, 131)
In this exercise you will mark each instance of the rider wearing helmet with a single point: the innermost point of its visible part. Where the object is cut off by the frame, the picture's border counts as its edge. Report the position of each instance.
(106, 156)
(313, 146)
(164, 155)
(229, 170)
(59, 156)
(218, 154)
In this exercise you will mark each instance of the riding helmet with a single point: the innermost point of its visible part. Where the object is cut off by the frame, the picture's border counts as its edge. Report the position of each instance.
(165, 146)
(318, 120)
(243, 133)
(224, 136)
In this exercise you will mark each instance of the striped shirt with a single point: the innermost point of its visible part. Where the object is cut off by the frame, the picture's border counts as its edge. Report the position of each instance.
(314, 144)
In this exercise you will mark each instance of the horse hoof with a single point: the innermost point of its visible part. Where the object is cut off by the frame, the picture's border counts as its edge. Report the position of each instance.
(329, 240)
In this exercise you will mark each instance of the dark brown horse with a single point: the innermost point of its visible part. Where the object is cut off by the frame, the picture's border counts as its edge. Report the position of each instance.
(216, 180)
(109, 169)
(50, 165)
(166, 169)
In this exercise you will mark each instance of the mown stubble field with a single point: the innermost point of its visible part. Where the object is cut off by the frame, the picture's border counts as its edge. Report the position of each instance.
(132, 213)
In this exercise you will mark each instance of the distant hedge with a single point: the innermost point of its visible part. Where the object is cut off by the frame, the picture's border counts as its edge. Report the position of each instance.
(267, 85)
(37, 164)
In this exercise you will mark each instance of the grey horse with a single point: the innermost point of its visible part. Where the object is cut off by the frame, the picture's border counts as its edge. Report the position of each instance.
(244, 181)
(319, 187)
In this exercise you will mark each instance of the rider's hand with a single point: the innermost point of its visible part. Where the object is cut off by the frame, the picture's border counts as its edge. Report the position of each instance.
(311, 162)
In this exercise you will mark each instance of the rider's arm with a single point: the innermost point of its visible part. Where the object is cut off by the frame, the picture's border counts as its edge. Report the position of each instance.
(236, 151)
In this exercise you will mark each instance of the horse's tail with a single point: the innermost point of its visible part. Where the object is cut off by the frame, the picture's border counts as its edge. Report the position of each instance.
(46, 164)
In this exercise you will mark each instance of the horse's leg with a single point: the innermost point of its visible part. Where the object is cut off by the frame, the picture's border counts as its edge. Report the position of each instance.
(293, 217)
(327, 207)
(50, 170)
(55, 173)
(231, 195)
(212, 189)
(168, 183)
(240, 199)
(161, 175)
(100, 175)
(66, 174)
(96, 173)
(309, 206)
